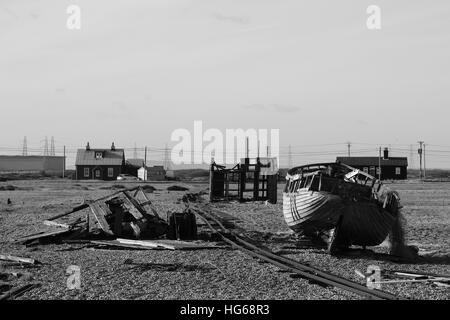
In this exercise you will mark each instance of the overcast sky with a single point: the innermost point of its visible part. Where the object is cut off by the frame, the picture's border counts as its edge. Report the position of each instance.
(137, 70)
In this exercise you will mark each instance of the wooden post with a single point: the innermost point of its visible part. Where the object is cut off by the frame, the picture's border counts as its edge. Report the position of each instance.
(64, 163)
(211, 181)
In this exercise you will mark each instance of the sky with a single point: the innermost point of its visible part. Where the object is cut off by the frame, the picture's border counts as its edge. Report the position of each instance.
(138, 70)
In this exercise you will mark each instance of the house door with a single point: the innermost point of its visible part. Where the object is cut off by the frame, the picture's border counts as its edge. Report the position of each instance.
(97, 174)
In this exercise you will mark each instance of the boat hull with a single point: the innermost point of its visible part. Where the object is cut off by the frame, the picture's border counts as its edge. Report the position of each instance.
(363, 223)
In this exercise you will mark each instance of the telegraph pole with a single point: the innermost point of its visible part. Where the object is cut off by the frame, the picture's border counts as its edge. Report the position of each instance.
(420, 158)
(348, 148)
(145, 157)
(64, 162)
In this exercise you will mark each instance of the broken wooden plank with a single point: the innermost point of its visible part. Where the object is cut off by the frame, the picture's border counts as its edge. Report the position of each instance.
(191, 245)
(100, 217)
(115, 243)
(57, 224)
(134, 207)
(414, 274)
(146, 243)
(17, 259)
(147, 202)
(42, 235)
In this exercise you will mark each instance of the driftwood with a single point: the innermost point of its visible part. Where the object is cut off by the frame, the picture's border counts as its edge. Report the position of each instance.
(18, 259)
(42, 235)
(115, 243)
(146, 243)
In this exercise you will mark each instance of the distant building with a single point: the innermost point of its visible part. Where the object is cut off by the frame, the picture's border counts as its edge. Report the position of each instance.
(155, 173)
(51, 165)
(391, 167)
(132, 166)
(101, 164)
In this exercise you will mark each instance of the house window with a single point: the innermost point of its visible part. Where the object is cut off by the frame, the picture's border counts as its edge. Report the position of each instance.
(98, 155)
(110, 172)
(97, 173)
(366, 169)
(397, 170)
(86, 172)
(378, 170)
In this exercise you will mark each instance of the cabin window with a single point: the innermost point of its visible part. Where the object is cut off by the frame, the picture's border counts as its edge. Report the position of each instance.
(97, 173)
(397, 170)
(366, 169)
(98, 155)
(86, 172)
(110, 172)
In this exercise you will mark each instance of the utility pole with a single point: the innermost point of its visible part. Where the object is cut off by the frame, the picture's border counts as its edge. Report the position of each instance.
(267, 152)
(64, 162)
(135, 151)
(145, 157)
(348, 148)
(420, 158)
(379, 164)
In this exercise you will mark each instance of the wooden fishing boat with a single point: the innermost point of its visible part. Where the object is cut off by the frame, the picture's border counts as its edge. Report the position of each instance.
(348, 206)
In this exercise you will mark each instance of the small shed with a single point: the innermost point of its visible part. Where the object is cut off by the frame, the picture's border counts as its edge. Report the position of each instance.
(155, 173)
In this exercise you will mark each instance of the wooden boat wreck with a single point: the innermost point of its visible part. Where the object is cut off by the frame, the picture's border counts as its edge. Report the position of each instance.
(340, 204)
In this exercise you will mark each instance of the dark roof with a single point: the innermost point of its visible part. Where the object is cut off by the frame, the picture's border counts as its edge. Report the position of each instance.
(373, 161)
(136, 162)
(110, 157)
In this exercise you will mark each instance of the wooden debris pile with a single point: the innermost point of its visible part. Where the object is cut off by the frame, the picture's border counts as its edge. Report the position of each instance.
(123, 214)
(13, 274)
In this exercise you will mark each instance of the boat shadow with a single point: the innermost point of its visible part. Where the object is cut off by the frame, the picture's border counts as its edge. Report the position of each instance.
(385, 257)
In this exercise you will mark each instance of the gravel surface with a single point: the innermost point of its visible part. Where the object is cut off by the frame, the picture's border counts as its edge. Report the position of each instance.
(216, 273)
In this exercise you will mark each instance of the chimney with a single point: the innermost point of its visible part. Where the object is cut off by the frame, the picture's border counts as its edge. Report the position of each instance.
(386, 154)
(113, 147)
(88, 147)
